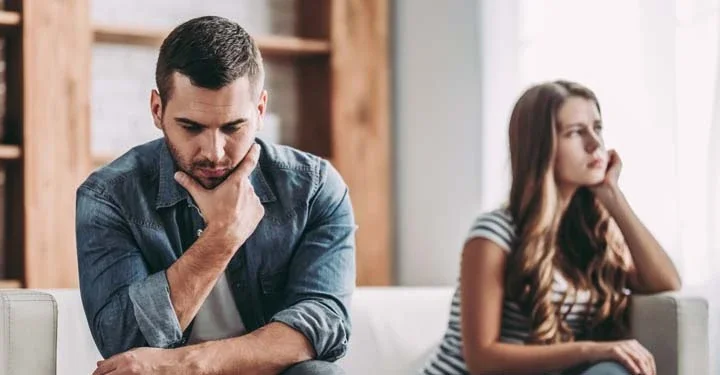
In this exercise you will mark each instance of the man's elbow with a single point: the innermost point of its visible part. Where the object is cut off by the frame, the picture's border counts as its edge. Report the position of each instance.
(339, 350)
(326, 331)
(333, 346)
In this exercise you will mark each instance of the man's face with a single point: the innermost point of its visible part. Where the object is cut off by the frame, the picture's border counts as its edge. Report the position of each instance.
(209, 132)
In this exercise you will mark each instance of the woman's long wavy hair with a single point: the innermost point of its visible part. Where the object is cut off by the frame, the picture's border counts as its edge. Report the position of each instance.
(581, 242)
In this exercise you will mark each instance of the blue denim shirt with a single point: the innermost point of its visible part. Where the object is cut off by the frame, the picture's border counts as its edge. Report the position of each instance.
(133, 221)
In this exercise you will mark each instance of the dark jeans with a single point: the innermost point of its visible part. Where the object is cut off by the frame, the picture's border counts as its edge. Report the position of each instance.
(314, 368)
(605, 368)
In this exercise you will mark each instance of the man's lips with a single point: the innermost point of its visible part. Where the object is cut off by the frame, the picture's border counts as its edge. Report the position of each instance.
(212, 172)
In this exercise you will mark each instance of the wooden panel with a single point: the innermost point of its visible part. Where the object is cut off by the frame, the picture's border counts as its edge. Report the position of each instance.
(9, 152)
(269, 45)
(361, 129)
(56, 41)
(314, 18)
(314, 131)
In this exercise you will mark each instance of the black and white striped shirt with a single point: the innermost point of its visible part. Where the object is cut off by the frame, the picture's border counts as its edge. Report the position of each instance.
(497, 226)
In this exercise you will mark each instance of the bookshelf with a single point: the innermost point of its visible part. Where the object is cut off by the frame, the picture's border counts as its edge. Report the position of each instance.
(339, 53)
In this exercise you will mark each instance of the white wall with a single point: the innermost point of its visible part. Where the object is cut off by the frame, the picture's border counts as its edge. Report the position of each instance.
(437, 136)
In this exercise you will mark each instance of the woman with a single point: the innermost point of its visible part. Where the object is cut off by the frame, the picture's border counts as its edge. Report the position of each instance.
(551, 271)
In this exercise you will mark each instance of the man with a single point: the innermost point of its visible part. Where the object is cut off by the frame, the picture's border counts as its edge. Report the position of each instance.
(210, 251)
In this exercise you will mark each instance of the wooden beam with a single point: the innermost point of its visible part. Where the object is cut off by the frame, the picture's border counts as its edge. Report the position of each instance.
(361, 128)
(9, 152)
(269, 45)
(56, 42)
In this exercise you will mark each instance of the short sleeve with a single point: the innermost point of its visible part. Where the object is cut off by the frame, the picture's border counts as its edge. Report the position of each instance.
(496, 226)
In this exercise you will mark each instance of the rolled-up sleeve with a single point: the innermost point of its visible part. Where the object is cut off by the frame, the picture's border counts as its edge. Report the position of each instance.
(125, 306)
(321, 278)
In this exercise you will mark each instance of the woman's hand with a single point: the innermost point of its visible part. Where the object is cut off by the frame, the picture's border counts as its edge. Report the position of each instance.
(608, 190)
(629, 353)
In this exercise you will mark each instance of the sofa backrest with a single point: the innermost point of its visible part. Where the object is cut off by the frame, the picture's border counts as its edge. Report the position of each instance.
(395, 328)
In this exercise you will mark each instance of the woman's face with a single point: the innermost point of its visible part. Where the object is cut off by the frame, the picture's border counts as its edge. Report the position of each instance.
(580, 158)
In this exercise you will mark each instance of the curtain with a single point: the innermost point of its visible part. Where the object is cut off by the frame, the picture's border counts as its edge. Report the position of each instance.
(655, 69)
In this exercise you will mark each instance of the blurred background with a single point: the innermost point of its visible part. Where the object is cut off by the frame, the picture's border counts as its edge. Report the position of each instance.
(409, 99)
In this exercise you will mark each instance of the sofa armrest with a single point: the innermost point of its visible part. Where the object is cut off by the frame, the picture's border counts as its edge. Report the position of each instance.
(28, 332)
(674, 327)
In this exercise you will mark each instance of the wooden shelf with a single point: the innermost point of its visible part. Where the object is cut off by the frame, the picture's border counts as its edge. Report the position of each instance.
(9, 152)
(10, 284)
(286, 45)
(9, 18)
(269, 45)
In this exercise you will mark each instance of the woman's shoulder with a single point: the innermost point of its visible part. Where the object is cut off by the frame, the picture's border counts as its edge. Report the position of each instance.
(497, 226)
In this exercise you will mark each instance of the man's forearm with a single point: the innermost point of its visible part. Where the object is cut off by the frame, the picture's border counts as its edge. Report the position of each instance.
(192, 277)
(268, 350)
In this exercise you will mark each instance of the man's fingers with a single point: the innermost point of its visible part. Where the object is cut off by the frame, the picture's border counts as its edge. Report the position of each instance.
(187, 182)
(248, 163)
(104, 367)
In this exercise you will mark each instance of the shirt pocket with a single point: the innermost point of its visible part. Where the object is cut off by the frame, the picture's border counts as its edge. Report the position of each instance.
(273, 292)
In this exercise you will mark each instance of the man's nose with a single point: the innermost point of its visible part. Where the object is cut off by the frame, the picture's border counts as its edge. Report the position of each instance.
(214, 149)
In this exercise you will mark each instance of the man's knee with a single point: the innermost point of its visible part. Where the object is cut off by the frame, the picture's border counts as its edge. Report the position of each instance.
(606, 368)
(314, 368)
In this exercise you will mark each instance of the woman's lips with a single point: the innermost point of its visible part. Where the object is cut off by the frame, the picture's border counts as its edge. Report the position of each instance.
(597, 163)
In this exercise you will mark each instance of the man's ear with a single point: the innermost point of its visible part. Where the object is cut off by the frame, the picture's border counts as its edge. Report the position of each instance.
(156, 108)
(262, 107)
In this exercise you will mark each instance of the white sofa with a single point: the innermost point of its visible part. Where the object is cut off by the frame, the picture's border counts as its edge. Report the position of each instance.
(394, 329)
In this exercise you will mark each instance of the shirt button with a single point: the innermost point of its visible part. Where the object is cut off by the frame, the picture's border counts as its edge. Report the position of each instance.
(199, 232)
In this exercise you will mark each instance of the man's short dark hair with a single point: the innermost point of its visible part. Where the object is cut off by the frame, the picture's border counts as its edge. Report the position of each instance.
(212, 52)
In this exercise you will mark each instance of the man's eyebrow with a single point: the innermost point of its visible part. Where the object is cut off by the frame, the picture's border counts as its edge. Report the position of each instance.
(195, 123)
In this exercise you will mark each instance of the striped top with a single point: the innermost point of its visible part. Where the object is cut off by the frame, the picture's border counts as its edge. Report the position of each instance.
(497, 226)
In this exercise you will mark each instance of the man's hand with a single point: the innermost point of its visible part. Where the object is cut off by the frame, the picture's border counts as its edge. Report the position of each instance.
(231, 209)
(142, 361)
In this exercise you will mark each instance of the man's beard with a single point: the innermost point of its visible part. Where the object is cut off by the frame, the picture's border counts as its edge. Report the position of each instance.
(189, 166)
